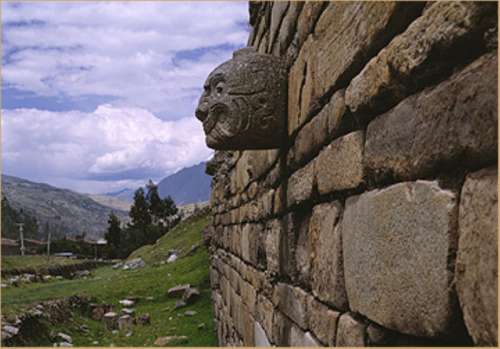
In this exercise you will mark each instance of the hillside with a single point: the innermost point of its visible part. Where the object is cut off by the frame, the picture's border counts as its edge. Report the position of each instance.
(148, 285)
(65, 211)
(112, 202)
(187, 186)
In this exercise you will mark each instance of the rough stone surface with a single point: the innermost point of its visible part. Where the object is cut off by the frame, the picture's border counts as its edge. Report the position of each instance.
(455, 121)
(350, 332)
(323, 322)
(299, 338)
(340, 165)
(277, 13)
(327, 271)
(125, 322)
(243, 105)
(429, 45)
(477, 258)
(396, 247)
(300, 185)
(292, 301)
(273, 238)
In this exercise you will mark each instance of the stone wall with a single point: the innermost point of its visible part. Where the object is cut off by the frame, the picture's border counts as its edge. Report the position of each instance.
(377, 223)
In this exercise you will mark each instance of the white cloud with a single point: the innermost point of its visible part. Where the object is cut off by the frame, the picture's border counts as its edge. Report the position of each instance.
(123, 50)
(100, 151)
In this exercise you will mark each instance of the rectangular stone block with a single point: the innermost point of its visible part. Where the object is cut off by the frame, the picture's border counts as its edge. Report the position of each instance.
(340, 165)
(264, 314)
(396, 247)
(350, 332)
(428, 49)
(301, 184)
(292, 301)
(299, 338)
(455, 122)
(327, 270)
(477, 257)
(273, 239)
(323, 322)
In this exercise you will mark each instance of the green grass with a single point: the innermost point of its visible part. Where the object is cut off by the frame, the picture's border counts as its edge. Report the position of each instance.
(35, 262)
(110, 286)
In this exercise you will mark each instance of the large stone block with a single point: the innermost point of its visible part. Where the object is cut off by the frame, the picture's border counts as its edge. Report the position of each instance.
(323, 322)
(346, 36)
(427, 50)
(340, 165)
(292, 301)
(301, 184)
(299, 338)
(454, 122)
(265, 313)
(327, 270)
(288, 27)
(477, 258)
(350, 332)
(260, 336)
(397, 244)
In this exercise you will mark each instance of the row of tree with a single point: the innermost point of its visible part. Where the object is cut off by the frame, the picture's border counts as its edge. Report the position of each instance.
(11, 217)
(151, 217)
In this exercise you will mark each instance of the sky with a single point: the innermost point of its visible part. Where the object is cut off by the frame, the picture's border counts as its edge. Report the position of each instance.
(100, 96)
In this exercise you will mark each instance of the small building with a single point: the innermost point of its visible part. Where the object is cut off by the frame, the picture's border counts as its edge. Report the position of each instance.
(10, 247)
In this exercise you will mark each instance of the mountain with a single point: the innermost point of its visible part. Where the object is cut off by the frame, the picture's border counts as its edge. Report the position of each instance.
(126, 195)
(111, 201)
(65, 211)
(187, 186)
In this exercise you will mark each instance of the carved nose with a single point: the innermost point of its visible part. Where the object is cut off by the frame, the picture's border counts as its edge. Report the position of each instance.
(201, 113)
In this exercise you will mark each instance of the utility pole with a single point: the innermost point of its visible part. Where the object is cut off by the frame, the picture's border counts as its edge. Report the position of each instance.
(48, 245)
(21, 236)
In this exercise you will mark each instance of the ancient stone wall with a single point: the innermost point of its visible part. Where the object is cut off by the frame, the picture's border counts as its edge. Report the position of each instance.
(376, 224)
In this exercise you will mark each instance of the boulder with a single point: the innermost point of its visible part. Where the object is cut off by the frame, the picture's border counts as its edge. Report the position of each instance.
(165, 341)
(177, 290)
(125, 322)
(350, 332)
(126, 302)
(144, 319)
(110, 320)
(190, 295)
(65, 337)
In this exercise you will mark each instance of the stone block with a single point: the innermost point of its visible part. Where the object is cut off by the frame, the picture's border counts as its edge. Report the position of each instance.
(292, 301)
(477, 258)
(340, 165)
(347, 35)
(427, 50)
(397, 244)
(287, 28)
(300, 185)
(264, 314)
(350, 332)
(277, 13)
(327, 270)
(322, 321)
(453, 122)
(299, 338)
(272, 245)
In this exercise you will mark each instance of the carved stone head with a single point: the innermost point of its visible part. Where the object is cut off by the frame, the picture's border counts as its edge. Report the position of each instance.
(244, 102)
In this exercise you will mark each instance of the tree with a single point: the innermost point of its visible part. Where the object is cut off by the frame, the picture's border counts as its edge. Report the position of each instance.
(139, 212)
(114, 233)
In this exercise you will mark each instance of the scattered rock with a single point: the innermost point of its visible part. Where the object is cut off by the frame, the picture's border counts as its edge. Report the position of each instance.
(64, 344)
(150, 298)
(193, 249)
(179, 304)
(125, 322)
(134, 264)
(190, 295)
(110, 320)
(128, 311)
(172, 258)
(177, 290)
(84, 328)
(65, 337)
(144, 319)
(190, 313)
(118, 265)
(163, 341)
(46, 277)
(3, 285)
(95, 342)
(126, 302)
(129, 334)
(99, 310)
(201, 326)
(11, 329)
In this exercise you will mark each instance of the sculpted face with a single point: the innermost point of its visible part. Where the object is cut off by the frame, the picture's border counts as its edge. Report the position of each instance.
(243, 105)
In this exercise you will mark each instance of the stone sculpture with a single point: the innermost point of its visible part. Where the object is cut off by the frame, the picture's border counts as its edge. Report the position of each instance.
(244, 102)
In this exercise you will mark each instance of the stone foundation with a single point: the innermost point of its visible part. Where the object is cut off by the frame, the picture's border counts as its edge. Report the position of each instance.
(376, 224)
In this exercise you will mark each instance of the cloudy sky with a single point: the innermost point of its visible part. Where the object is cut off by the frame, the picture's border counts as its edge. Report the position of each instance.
(100, 96)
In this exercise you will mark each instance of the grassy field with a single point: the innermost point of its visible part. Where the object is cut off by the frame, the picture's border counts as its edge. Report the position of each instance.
(110, 286)
(35, 262)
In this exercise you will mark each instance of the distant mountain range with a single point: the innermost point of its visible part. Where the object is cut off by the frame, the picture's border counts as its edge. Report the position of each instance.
(187, 186)
(72, 213)
(64, 210)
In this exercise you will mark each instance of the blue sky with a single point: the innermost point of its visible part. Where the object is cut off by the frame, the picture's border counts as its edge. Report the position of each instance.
(97, 96)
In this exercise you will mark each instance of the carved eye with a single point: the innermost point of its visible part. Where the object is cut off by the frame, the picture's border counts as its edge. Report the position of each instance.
(219, 88)
(206, 88)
